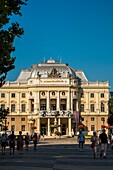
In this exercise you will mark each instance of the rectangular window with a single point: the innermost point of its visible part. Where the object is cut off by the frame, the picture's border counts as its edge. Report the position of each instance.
(23, 107)
(13, 128)
(2, 106)
(102, 107)
(12, 107)
(92, 118)
(103, 119)
(13, 95)
(42, 106)
(23, 128)
(82, 107)
(32, 105)
(102, 95)
(12, 119)
(23, 119)
(92, 108)
(2, 95)
(23, 95)
(92, 127)
(92, 95)
(63, 107)
(53, 106)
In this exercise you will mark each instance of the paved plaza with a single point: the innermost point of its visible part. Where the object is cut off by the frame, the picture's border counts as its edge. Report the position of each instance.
(56, 154)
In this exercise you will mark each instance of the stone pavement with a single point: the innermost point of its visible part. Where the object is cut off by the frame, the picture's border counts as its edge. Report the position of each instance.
(56, 154)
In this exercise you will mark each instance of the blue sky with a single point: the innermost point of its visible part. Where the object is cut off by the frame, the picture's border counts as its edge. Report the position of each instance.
(78, 31)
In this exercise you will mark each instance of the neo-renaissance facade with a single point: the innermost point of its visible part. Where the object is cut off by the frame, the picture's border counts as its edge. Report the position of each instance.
(52, 95)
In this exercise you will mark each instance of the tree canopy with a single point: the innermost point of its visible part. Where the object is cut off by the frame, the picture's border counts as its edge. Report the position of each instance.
(111, 106)
(8, 35)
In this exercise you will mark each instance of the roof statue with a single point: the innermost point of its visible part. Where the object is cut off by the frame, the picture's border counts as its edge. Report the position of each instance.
(54, 73)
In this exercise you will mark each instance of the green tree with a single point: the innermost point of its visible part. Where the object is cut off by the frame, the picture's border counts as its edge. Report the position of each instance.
(3, 116)
(8, 33)
(111, 106)
(110, 118)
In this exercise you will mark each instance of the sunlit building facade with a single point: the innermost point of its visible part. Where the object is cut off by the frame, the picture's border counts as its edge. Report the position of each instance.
(52, 95)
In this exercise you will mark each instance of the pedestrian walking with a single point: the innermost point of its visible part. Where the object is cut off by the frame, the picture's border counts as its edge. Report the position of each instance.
(42, 135)
(3, 143)
(12, 138)
(94, 144)
(20, 142)
(81, 140)
(27, 138)
(38, 137)
(111, 142)
(103, 141)
(35, 138)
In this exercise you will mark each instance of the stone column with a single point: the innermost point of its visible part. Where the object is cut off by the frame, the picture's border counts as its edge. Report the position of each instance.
(69, 126)
(78, 112)
(71, 95)
(48, 100)
(68, 100)
(58, 100)
(18, 102)
(8, 100)
(96, 97)
(38, 100)
(87, 101)
(59, 123)
(48, 126)
(38, 125)
(77, 108)
(35, 102)
(29, 105)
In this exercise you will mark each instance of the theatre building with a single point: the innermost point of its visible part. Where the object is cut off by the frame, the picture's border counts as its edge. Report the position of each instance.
(53, 96)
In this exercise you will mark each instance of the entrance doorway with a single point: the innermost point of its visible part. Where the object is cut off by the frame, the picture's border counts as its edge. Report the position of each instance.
(43, 129)
(63, 129)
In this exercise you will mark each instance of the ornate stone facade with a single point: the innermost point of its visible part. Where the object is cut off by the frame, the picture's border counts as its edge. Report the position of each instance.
(52, 96)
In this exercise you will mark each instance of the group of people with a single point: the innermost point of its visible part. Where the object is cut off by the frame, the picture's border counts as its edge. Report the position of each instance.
(96, 142)
(11, 140)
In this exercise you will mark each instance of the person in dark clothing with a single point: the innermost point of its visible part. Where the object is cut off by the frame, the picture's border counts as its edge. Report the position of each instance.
(103, 141)
(3, 143)
(27, 140)
(12, 138)
(35, 140)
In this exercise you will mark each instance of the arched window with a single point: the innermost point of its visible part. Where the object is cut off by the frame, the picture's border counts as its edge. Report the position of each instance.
(53, 93)
(63, 93)
(43, 93)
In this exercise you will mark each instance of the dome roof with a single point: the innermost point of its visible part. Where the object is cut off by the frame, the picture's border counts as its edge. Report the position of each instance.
(52, 69)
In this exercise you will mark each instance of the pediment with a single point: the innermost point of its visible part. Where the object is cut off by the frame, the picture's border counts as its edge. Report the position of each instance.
(2, 101)
(13, 101)
(92, 101)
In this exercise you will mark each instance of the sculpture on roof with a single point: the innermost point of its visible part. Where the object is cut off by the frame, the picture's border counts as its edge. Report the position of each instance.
(54, 73)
